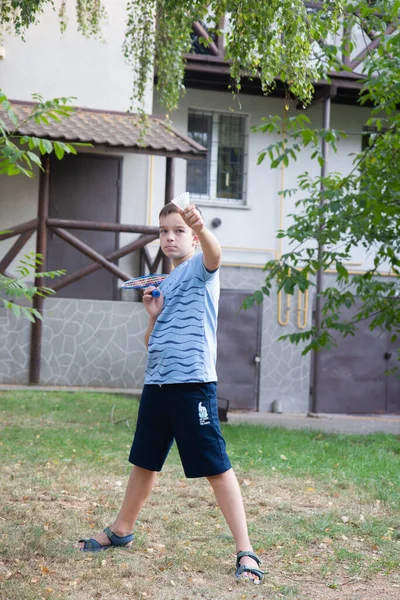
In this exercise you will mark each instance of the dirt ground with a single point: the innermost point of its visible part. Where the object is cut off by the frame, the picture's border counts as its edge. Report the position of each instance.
(315, 543)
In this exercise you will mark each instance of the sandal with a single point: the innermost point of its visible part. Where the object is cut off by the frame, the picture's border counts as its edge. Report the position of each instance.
(240, 569)
(92, 545)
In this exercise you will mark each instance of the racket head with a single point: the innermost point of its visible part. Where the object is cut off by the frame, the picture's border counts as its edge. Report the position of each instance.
(145, 281)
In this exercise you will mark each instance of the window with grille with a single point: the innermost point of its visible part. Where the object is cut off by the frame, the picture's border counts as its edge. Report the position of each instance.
(221, 176)
(366, 135)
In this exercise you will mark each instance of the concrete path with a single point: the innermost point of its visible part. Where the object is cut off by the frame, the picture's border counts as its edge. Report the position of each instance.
(329, 423)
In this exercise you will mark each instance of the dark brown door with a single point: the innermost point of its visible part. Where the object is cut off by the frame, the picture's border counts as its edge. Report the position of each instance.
(392, 382)
(351, 378)
(238, 357)
(85, 187)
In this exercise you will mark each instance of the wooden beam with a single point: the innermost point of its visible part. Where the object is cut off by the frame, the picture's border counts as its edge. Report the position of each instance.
(199, 29)
(169, 180)
(169, 194)
(314, 5)
(147, 262)
(372, 46)
(101, 226)
(17, 229)
(320, 95)
(347, 31)
(220, 38)
(14, 250)
(146, 259)
(157, 261)
(119, 253)
(142, 264)
(41, 248)
(198, 155)
(85, 249)
(208, 58)
(371, 34)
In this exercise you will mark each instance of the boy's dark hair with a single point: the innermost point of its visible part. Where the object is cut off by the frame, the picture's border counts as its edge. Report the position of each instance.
(171, 208)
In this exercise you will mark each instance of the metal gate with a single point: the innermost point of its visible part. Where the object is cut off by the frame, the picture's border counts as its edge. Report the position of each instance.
(351, 377)
(239, 344)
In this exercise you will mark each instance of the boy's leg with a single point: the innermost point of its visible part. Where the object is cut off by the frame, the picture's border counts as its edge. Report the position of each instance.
(227, 492)
(150, 447)
(139, 486)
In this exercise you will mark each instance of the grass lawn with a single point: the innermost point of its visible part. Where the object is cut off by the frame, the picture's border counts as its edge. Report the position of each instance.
(323, 510)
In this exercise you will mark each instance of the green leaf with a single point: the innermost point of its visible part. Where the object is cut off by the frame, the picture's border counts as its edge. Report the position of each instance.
(259, 297)
(248, 302)
(34, 158)
(261, 157)
(16, 310)
(47, 145)
(59, 150)
(341, 269)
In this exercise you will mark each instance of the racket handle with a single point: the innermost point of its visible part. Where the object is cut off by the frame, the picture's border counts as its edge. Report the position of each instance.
(156, 293)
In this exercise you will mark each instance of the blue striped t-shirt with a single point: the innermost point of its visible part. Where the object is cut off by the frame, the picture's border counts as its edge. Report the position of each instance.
(183, 344)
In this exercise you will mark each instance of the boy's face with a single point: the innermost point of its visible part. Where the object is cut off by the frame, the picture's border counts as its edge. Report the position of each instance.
(177, 240)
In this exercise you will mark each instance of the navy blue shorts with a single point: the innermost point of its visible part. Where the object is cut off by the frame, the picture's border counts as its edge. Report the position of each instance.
(188, 413)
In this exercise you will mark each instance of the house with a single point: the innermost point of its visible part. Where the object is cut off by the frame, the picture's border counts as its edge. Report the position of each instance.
(241, 200)
(92, 334)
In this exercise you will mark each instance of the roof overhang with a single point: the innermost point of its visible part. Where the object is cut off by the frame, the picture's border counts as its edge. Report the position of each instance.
(119, 131)
(213, 73)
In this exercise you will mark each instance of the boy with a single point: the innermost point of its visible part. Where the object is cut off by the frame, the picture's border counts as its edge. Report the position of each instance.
(179, 396)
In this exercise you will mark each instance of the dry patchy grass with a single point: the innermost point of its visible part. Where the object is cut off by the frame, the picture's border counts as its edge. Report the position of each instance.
(322, 511)
(183, 549)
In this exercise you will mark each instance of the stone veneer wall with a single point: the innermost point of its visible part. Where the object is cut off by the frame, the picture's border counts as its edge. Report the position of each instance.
(85, 343)
(100, 344)
(14, 348)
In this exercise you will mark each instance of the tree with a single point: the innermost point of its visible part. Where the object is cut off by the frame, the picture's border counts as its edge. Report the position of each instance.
(289, 39)
(337, 213)
(266, 39)
(19, 15)
(17, 152)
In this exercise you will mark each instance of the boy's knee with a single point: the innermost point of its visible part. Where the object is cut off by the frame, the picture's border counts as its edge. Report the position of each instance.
(220, 476)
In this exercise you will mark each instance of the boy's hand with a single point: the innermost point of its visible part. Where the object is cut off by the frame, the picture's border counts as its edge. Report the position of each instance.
(192, 218)
(153, 305)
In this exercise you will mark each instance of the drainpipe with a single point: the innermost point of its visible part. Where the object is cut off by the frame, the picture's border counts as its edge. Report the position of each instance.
(320, 274)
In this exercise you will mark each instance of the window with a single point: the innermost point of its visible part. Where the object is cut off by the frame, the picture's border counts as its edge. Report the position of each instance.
(367, 132)
(221, 176)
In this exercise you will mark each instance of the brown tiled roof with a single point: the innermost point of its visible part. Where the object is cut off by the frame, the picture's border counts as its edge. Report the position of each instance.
(111, 129)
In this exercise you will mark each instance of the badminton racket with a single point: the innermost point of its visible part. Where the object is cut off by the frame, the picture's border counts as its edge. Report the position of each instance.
(140, 283)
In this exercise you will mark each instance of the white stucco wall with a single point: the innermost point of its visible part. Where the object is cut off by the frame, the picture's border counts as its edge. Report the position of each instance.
(248, 234)
(54, 64)
(18, 204)
(97, 76)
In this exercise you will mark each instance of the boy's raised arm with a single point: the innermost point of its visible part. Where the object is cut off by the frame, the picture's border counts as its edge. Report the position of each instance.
(210, 246)
(211, 249)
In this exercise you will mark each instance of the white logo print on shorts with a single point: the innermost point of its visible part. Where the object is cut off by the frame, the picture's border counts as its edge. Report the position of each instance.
(203, 415)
